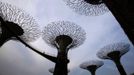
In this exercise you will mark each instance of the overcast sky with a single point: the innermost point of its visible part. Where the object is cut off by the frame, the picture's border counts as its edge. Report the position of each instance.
(16, 59)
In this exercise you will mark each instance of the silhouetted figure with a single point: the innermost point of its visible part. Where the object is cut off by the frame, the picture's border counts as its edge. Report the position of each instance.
(9, 30)
(92, 65)
(63, 35)
(114, 52)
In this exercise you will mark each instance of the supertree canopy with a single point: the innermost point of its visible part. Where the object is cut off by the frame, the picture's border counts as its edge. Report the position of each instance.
(87, 7)
(92, 65)
(25, 21)
(71, 33)
(96, 63)
(120, 48)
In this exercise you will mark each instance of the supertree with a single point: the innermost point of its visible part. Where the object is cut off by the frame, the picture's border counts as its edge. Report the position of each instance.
(92, 65)
(51, 70)
(87, 7)
(114, 52)
(16, 24)
(63, 35)
(17, 21)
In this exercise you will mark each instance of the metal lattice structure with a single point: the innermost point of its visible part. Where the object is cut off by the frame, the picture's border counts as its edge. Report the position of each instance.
(92, 65)
(97, 63)
(114, 52)
(121, 47)
(63, 35)
(25, 21)
(83, 8)
(54, 29)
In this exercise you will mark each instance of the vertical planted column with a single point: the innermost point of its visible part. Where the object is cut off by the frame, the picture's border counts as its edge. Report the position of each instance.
(63, 35)
(114, 52)
(92, 65)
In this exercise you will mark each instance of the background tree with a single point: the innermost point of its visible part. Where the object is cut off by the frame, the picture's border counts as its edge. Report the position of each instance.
(63, 35)
(114, 52)
(92, 65)
(87, 7)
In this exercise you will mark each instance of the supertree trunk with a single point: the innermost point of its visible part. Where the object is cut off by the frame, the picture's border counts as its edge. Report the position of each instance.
(62, 60)
(93, 73)
(120, 67)
(61, 64)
